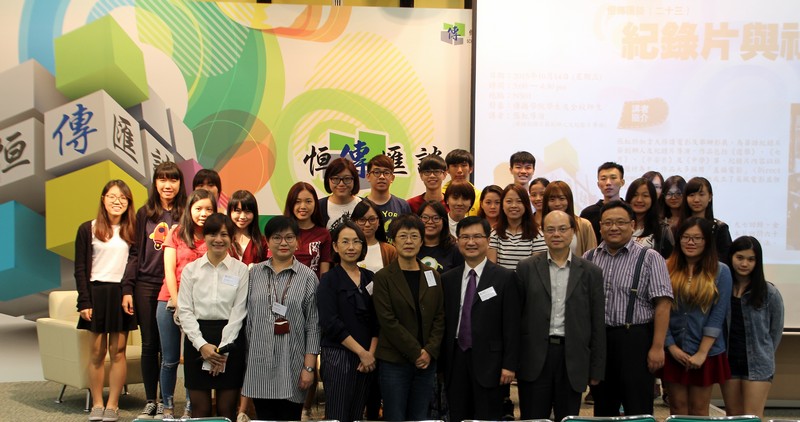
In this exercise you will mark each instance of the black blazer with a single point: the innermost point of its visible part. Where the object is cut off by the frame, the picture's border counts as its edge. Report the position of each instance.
(495, 323)
(584, 320)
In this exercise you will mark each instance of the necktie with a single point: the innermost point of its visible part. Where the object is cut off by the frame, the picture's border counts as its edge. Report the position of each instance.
(465, 328)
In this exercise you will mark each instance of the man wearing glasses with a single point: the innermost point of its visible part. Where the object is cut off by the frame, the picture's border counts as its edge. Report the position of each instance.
(563, 317)
(481, 338)
(638, 295)
(380, 175)
(432, 171)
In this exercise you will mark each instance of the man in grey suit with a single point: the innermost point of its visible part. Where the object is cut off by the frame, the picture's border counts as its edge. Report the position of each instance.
(563, 329)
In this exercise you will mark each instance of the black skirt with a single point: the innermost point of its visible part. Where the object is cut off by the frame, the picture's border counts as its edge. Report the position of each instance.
(107, 314)
(198, 379)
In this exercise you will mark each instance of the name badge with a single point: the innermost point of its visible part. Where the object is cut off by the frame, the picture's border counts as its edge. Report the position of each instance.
(487, 293)
(430, 278)
(230, 280)
(369, 288)
(279, 308)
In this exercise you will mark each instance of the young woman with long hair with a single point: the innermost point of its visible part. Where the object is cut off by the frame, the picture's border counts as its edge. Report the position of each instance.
(370, 220)
(145, 273)
(671, 200)
(536, 192)
(558, 197)
(439, 250)
(658, 182)
(248, 244)
(701, 286)
(755, 326)
(184, 245)
(490, 204)
(101, 255)
(313, 245)
(516, 235)
(650, 230)
(697, 202)
(314, 240)
(212, 308)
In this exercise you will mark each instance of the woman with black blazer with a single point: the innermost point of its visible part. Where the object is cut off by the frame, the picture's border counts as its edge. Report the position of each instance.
(349, 326)
(409, 305)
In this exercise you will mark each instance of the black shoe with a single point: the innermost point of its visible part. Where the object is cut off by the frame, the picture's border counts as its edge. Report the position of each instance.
(508, 409)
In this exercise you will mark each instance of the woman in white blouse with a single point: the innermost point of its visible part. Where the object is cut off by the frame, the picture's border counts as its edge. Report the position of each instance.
(212, 308)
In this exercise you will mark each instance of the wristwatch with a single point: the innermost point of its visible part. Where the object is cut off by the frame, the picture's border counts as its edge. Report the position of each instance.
(309, 368)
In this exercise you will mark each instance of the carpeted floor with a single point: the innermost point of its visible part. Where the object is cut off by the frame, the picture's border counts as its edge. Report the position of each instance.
(35, 401)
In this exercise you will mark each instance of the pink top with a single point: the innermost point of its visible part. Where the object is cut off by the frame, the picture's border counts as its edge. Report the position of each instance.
(185, 255)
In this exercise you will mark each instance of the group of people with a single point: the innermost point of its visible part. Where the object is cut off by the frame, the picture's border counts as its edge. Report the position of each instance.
(431, 306)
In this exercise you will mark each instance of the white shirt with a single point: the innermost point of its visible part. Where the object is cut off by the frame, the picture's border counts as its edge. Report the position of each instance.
(559, 278)
(373, 261)
(453, 224)
(464, 280)
(213, 293)
(109, 258)
(336, 211)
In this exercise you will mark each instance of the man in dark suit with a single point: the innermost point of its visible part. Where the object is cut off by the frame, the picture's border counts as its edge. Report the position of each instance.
(563, 325)
(481, 338)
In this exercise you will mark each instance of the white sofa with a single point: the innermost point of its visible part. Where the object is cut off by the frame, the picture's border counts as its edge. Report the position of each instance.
(65, 350)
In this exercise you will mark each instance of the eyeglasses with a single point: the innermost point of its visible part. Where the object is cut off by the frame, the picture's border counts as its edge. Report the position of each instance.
(430, 218)
(345, 243)
(114, 198)
(278, 239)
(692, 239)
(468, 237)
(429, 173)
(553, 230)
(404, 237)
(379, 173)
(673, 194)
(347, 180)
(619, 223)
(364, 221)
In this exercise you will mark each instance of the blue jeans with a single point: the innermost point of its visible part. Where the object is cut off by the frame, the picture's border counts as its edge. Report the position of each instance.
(170, 335)
(406, 390)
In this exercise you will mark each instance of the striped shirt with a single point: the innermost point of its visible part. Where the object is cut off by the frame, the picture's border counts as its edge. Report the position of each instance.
(618, 273)
(514, 248)
(274, 361)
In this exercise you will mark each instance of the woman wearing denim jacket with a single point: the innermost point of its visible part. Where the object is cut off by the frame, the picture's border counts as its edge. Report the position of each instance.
(755, 325)
(702, 289)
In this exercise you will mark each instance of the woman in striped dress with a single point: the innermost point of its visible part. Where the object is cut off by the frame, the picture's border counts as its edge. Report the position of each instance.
(282, 327)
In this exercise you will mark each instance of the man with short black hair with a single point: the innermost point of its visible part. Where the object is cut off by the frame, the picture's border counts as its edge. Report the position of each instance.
(432, 171)
(380, 175)
(610, 179)
(481, 341)
(522, 164)
(638, 300)
(459, 167)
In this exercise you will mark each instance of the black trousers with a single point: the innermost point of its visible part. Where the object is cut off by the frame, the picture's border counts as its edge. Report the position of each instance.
(628, 382)
(468, 399)
(145, 299)
(550, 391)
